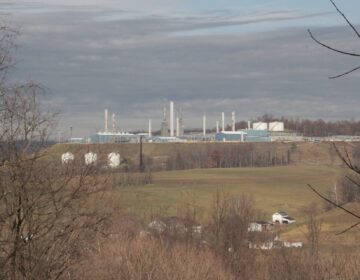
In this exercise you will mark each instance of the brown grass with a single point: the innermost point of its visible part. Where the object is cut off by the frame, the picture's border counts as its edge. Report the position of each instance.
(130, 259)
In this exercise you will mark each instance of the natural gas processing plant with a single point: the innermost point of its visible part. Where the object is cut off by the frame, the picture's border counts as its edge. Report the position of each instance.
(172, 129)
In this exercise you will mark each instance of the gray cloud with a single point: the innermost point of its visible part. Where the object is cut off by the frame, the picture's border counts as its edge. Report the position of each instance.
(134, 64)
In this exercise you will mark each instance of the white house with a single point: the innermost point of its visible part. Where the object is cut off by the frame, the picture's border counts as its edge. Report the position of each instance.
(282, 218)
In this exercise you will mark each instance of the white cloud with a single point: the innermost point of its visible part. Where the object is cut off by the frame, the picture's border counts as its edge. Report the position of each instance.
(132, 66)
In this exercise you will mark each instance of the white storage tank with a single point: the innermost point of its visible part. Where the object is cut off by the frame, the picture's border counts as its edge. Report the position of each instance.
(67, 158)
(276, 126)
(90, 158)
(260, 126)
(114, 160)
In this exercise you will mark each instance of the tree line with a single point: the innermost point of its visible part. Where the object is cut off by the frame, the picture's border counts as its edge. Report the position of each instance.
(227, 156)
(314, 128)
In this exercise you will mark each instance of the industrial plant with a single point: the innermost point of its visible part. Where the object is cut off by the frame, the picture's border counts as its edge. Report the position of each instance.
(172, 130)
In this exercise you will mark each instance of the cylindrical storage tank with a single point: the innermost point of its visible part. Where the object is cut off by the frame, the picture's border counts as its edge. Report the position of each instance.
(67, 158)
(276, 126)
(260, 126)
(90, 158)
(114, 160)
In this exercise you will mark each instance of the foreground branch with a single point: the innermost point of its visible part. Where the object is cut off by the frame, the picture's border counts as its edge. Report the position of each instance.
(337, 206)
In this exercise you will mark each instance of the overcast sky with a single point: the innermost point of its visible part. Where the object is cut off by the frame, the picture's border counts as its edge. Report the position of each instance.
(132, 57)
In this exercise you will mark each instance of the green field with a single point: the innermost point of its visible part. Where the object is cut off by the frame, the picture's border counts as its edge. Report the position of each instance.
(281, 188)
(277, 188)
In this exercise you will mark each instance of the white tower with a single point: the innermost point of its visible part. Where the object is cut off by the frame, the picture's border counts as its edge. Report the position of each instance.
(249, 125)
(217, 127)
(113, 122)
(106, 120)
(233, 121)
(204, 125)
(222, 121)
(150, 129)
(171, 119)
(177, 127)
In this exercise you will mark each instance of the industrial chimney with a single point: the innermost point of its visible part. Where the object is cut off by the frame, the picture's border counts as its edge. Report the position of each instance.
(171, 119)
(222, 121)
(106, 120)
(150, 129)
(113, 123)
(233, 121)
(177, 127)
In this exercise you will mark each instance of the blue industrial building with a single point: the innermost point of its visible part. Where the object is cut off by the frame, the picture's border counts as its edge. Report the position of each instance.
(247, 135)
(230, 136)
(109, 137)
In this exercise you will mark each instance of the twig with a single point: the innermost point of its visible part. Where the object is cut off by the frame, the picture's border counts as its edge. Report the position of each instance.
(333, 203)
(344, 74)
(357, 184)
(331, 48)
(349, 228)
(348, 22)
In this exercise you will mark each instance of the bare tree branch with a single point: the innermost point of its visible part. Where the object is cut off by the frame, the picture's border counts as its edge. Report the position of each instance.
(336, 49)
(346, 159)
(344, 74)
(331, 48)
(349, 228)
(343, 15)
(357, 184)
(333, 203)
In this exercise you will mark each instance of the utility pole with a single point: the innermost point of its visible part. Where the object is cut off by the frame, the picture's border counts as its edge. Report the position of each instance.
(71, 132)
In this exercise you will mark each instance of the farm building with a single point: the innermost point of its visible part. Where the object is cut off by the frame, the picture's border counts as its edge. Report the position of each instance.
(260, 226)
(175, 226)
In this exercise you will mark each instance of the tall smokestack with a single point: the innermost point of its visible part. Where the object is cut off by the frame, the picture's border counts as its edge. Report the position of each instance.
(171, 119)
(222, 121)
(113, 122)
(217, 127)
(233, 121)
(106, 120)
(177, 127)
(150, 129)
(204, 125)
(249, 125)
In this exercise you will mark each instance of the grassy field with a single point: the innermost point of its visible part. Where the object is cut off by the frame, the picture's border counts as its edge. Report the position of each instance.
(282, 188)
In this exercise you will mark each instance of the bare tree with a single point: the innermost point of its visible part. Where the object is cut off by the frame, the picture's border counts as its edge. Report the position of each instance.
(313, 233)
(337, 50)
(343, 155)
(353, 168)
(228, 233)
(45, 212)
